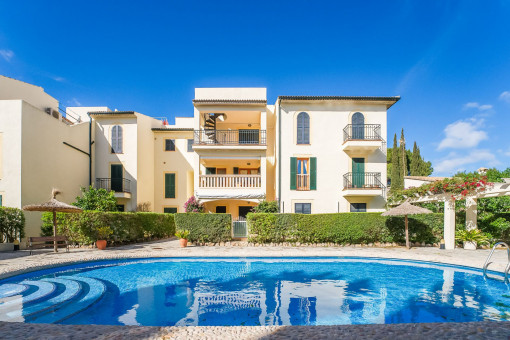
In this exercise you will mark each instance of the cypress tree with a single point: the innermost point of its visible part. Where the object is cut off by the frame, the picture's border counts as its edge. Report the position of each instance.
(415, 161)
(395, 166)
(402, 160)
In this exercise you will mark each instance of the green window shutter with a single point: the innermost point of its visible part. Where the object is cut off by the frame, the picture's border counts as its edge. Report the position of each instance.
(236, 171)
(170, 210)
(313, 173)
(293, 173)
(169, 185)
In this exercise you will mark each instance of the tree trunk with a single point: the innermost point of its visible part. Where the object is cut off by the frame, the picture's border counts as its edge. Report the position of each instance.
(55, 231)
(407, 233)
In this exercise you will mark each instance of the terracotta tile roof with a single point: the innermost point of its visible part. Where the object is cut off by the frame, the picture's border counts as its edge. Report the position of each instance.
(393, 100)
(229, 101)
(171, 129)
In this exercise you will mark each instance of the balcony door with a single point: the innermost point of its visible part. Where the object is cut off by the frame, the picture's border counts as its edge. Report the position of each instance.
(358, 126)
(116, 173)
(358, 172)
(249, 136)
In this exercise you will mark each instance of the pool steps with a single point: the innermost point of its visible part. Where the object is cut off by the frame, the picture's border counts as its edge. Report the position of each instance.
(47, 304)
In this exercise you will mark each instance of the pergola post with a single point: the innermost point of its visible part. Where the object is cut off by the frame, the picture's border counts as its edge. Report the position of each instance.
(471, 213)
(449, 223)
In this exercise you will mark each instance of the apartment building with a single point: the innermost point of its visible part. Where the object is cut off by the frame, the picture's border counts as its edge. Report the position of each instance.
(312, 154)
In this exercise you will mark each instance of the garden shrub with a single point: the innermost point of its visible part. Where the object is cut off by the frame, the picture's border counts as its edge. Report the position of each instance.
(126, 226)
(342, 228)
(205, 228)
(496, 224)
(12, 224)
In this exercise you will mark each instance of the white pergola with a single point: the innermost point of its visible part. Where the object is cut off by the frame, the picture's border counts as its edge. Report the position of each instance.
(499, 189)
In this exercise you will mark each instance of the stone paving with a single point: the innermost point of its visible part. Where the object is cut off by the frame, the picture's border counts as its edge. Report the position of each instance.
(18, 262)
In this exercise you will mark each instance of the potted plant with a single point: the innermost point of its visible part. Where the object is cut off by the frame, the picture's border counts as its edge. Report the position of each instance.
(471, 238)
(183, 235)
(102, 234)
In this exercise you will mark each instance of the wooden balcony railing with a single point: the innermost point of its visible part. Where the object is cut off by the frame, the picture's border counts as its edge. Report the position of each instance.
(303, 182)
(362, 132)
(230, 137)
(230, 181)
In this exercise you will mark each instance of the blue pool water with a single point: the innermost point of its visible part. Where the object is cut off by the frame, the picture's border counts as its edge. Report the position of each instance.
(253, 291)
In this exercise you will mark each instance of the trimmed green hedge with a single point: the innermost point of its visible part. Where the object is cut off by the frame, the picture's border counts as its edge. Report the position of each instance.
(12, 224)
(205, 228)
(342, 228)
(126, 226)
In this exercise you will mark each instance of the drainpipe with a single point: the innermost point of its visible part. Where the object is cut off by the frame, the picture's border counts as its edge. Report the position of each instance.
(279, 155)
(90, 149)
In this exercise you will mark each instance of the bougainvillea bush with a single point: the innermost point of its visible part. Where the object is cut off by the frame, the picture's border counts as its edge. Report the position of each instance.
(193, 205)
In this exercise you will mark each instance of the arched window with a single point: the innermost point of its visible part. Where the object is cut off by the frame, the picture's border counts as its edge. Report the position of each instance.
(117, 139)
(358, 126)
(303, 128)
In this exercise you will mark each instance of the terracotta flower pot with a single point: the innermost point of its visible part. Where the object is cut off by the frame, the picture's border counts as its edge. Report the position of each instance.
(183, 242)
(101, 244)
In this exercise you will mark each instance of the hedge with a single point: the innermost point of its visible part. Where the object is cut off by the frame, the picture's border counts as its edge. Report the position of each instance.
(126, 226)
(342, 228)
(205, 228)
(12, 224)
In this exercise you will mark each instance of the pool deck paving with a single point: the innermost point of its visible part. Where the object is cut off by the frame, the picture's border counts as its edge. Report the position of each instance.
(12, 263)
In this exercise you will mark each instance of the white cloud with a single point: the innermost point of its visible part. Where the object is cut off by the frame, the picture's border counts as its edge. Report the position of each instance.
(475, 105)
(59, 79)
(74, 102)
(505, 96)
(463, 134)
(454, 162)
(7, 54)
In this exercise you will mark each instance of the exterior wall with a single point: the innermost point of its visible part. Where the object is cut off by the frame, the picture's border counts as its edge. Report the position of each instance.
(236, 93)
(179, 162)
(410, 183)
(47, 163)
(145, 158)
(103, 157)
(12, 89)
(327, 121)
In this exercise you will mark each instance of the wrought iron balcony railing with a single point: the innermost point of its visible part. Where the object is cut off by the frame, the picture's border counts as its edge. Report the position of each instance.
(114, 184)
(230, 137)
(362, 132)
(363, 180)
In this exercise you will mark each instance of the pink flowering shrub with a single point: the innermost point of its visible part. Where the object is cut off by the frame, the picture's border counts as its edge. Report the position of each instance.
(193, 205)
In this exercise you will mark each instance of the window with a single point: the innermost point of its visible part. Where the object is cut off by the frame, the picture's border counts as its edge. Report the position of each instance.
(221, 209)
(169, 144)
(120, 207)
(117, 139)
(303, 173)
(303, 128)
(248, 136)
(169, 185)
(358, 207)
(0, 200)
(190, 145)
(170, 210)
(303, 208)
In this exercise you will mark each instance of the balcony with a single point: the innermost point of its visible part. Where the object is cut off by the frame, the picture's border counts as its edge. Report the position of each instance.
(303, 182)
(121, 186)
(363, 184)
(362, 138)
(230, 139)
(230, 186)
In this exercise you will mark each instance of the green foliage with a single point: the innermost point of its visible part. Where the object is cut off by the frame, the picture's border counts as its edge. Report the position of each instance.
(126, 226)
(473, 235)
(342, 228)
(403, 158)
(397, 182)
(12, 224)
(103, 233)
(267, 207)
(205, 228)
(184, 234)
(96, 199)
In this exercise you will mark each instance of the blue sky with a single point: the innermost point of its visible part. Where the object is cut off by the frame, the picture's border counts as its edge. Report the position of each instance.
(449, 60)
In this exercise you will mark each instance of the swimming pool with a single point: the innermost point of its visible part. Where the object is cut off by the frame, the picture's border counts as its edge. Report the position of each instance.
(253, 291)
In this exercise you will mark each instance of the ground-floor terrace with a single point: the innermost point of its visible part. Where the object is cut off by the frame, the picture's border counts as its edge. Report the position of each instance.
(19, 262)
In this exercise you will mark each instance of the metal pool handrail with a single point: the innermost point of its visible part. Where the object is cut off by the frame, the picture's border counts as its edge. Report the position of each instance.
(490, 255)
